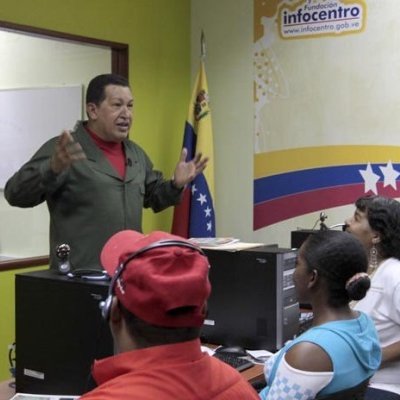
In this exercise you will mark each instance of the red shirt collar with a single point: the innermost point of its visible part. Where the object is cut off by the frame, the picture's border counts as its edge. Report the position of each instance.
(103, 144)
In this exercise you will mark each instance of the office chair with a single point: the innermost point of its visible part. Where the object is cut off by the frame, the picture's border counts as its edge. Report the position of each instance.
(354, 393)
(259, 384)
(380, 394)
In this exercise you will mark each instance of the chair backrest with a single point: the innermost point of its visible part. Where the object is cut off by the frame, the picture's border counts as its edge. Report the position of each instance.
(353, 393)
(380, 394)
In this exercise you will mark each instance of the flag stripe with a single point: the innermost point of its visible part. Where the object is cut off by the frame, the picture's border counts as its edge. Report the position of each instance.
(181, 217)
(290, 183)
(189, 141)
(202, 217)
(282, 161)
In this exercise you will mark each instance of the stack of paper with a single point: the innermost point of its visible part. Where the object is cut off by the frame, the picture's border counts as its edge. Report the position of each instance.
(27, 396)
(213, 241)
(223, 243)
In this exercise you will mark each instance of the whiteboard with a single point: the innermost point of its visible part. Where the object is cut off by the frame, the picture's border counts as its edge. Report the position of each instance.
(29, 117)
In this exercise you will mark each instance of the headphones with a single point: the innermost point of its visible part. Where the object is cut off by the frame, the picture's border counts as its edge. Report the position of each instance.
(105, 305)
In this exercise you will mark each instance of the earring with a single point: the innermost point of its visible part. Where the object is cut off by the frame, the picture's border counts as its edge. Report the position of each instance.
(373, 257)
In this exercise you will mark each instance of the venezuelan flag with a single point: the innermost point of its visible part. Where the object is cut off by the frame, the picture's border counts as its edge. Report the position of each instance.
(195, 216)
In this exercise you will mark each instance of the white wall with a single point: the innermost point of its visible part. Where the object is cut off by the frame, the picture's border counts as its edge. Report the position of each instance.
(37, 62)
(228, 29)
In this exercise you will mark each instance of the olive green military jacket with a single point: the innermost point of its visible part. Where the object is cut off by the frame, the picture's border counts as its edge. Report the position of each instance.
(89, 201)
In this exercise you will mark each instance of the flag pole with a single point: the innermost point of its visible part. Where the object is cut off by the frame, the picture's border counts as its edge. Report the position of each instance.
(202, 46)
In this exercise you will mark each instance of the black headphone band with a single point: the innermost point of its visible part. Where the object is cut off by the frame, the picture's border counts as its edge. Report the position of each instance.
(106, 305)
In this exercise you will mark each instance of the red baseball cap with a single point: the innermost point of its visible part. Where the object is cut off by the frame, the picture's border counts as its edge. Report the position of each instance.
(165, 283)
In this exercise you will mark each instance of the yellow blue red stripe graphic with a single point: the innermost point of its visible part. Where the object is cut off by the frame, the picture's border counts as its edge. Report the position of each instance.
(295, 182)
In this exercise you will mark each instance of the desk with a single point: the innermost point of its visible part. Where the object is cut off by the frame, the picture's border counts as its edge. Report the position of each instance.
(253, 374)
(6, 391)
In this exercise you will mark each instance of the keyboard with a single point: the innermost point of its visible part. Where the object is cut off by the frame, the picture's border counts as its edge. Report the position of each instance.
(234, 361)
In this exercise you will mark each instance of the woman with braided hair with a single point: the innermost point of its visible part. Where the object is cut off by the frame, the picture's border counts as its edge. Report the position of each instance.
(341, 349)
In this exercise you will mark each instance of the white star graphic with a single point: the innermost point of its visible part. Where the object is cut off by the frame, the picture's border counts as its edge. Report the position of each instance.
(370, 179)
(202, 199)
(194, 189)
(390, 175)
(209, 226)
(208, 212)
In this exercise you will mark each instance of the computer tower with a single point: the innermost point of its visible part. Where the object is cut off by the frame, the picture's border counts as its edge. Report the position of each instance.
(59, 332)
(253, 302)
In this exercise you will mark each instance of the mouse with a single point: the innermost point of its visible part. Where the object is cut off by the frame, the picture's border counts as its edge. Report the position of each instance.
(236, 350)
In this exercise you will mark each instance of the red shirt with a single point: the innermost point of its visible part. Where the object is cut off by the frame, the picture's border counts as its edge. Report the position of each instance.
(114, 152)
(168, 372)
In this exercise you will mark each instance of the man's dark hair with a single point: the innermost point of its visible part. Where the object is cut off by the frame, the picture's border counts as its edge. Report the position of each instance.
(96, 89)
(147, 335)
(337, 256)
(383, 215)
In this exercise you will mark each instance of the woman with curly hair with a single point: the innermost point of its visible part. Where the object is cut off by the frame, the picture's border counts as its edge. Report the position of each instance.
(376, 222)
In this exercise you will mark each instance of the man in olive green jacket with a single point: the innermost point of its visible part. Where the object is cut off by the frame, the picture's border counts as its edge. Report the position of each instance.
(95, 180)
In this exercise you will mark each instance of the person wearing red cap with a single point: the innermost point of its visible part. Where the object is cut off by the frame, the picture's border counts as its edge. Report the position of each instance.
(156, 306)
